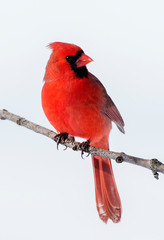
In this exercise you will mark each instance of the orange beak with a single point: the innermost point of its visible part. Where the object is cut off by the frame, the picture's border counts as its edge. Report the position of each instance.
(83, 60)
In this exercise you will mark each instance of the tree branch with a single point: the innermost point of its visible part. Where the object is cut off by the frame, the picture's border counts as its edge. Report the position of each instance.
(153, 164)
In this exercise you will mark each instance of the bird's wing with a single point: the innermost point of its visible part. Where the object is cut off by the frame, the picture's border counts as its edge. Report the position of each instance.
(110, 109)
(113, 113)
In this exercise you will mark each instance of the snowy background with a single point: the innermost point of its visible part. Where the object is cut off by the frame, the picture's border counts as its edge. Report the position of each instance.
(49, 194)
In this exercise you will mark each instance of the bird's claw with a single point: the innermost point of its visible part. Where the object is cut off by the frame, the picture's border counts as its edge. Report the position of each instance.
(84, 146)
(61, 137)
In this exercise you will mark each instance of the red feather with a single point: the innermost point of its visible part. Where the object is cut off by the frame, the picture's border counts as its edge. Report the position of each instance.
(76, 102)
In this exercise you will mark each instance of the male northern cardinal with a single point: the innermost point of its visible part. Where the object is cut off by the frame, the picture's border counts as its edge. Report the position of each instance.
(76, 102)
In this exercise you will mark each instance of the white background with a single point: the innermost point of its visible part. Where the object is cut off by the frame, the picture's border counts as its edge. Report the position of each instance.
(49, 194)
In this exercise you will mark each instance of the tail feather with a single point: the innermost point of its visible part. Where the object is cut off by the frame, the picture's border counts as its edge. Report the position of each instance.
(107, 197)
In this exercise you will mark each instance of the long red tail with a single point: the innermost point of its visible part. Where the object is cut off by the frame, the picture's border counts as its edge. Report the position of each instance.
(107, 197)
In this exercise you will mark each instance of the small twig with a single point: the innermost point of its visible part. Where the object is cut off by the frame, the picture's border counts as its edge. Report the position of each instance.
(153, 164)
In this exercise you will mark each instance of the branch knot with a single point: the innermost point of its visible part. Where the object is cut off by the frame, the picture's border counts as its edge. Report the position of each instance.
(20, 121)
(119, 159)
(154, 164)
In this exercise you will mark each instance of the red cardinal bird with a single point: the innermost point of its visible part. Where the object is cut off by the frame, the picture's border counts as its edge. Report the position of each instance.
(75, 102)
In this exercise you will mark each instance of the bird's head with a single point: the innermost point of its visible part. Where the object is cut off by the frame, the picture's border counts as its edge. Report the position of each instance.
(67, 57)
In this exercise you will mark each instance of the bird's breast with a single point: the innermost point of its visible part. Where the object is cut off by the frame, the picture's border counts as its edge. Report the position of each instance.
(75, 107)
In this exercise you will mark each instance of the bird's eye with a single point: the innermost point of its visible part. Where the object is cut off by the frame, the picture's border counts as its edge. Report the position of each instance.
(69, 59)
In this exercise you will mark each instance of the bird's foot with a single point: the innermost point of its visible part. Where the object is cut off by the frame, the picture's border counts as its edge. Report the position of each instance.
(84, 146)
(70, 138)
(60, 137)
